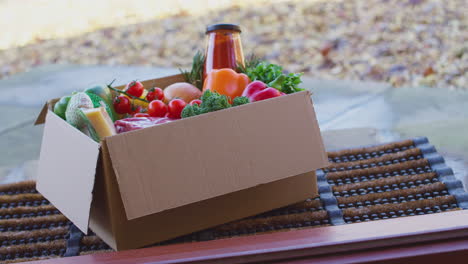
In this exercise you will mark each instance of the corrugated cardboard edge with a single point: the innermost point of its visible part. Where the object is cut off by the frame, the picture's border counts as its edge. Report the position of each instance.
(325, 162)
(102, 209)
(42, 115)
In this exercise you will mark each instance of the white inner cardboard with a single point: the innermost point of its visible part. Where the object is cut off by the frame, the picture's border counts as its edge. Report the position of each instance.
(67, 169)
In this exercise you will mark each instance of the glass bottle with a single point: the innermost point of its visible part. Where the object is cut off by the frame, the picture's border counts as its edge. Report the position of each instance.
(224, 48)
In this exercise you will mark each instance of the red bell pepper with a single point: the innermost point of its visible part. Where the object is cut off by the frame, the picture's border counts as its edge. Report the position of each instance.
(257, 91)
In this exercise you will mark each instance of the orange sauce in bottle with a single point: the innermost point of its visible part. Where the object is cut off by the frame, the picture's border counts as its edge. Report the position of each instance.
(224, 48)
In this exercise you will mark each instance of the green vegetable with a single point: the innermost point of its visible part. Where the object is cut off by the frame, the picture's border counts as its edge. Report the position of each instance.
(195, 76)
(61, 106)
(240, 100)
(211, 101)
(191, 110)
(251, 62)
(273, 76)
(102, 91)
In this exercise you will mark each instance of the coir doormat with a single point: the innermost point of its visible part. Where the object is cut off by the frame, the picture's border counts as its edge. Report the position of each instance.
(405, 178)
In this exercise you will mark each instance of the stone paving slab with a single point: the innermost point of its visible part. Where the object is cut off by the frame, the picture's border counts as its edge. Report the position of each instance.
(335, 98)
(20, 145)
(13, 116)
(37, 86)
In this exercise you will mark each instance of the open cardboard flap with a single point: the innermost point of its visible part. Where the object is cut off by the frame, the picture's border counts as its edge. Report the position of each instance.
(41, 118)
(67, 169)
(202, 157)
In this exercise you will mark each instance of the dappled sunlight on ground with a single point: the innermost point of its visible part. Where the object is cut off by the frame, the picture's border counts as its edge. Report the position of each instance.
(402, 42)
(31, 21)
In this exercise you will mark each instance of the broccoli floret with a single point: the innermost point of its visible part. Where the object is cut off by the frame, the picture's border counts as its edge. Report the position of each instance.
(240, 100)
(213, 101)
(191, 110)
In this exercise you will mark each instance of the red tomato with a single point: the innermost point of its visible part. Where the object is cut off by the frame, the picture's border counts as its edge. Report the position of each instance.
(122, 105)
(196, 101)
(175, 108)
(136, 109)
(134, 88)
(157, 108)
(155, 94)
(141, 115)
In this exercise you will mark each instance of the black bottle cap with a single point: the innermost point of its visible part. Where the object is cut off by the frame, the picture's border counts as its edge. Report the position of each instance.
(222, 26)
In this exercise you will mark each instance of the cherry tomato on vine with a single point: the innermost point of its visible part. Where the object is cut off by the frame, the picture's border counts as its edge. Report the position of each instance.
(137, 109)
(122, 105)
(134, 88)
(155, 94)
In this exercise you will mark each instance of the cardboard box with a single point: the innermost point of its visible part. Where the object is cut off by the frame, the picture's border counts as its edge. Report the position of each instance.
(146, 186)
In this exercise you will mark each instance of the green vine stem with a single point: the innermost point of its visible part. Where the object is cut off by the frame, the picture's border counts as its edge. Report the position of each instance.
(123, 92)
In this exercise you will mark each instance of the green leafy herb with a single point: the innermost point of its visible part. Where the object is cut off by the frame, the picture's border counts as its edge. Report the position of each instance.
(195, 75)
(251, 62)
(273, 76)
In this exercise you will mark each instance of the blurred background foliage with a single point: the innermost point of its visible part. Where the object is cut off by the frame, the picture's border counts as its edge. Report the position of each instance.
(402, 42)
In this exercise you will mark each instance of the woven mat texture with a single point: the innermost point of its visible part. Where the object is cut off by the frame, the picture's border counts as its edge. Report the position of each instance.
(405, 178)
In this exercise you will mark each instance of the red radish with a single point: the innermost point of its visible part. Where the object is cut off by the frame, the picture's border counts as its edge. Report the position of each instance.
(253, 88)
(265, 94)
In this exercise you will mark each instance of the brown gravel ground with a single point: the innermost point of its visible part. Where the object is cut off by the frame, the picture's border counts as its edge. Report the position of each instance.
(402, 42)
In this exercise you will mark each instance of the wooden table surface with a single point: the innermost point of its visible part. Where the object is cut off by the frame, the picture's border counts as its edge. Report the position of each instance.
(420, 239)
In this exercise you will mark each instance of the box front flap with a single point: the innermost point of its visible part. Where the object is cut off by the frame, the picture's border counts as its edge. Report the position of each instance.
(198, 158)
(67, 169)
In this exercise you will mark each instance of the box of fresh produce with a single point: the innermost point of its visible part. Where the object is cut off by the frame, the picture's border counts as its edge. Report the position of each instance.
(153, 160)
